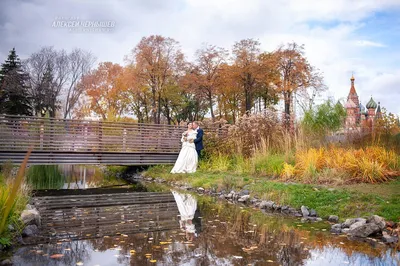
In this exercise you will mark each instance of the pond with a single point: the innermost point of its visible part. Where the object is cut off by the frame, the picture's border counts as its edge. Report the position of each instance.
(71, 177)
(164, 228)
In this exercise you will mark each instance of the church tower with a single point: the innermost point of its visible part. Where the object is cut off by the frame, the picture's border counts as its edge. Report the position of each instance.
(354, 98)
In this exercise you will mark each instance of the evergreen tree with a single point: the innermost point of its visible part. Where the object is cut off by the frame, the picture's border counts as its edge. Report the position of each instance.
(14, 96)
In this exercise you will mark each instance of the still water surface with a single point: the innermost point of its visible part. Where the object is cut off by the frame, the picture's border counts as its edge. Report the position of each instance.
(183, 230)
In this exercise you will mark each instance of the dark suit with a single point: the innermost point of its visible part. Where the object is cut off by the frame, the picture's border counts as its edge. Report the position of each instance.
(199, 141)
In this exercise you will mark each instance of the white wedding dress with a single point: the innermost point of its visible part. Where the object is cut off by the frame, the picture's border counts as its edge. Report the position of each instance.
(187, 159)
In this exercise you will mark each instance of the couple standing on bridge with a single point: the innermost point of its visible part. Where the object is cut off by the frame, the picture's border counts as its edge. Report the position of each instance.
(192, 144)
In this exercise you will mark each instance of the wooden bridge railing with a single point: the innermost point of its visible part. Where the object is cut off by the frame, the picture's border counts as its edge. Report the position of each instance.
(70, 141)
(50, 134)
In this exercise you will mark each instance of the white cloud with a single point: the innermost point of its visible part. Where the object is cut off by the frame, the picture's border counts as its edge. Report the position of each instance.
(369, 43)
(328, 29)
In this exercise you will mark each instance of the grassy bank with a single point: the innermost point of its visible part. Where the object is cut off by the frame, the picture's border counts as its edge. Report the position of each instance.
(343, 200)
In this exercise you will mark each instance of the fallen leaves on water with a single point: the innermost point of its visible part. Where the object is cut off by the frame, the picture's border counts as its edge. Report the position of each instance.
(153, 261)
(132, 251)
(57, 256)
(79, 263)
(270, 261)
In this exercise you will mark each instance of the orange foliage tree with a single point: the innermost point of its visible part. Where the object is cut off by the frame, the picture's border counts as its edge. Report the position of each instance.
(105, 91)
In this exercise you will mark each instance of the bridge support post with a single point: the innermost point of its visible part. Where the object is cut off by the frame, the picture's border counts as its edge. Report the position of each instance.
(41, 134)
(124, 140)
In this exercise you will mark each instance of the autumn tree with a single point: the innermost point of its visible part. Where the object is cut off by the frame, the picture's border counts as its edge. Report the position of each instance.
(230, 94)
(106, 91)
(138, 94)
(206, 74)
(246, 68)
(158, 61)
(266, 92)
(386, 125)
(193, 105)
(296, 74)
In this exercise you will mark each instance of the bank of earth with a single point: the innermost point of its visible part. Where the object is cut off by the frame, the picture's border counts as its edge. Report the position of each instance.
(358, 200)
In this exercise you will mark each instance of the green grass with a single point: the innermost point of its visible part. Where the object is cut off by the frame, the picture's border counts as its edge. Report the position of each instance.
(344, 201)
(45, 177)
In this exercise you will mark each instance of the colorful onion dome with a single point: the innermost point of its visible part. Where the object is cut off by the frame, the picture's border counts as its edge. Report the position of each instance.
(371, 104)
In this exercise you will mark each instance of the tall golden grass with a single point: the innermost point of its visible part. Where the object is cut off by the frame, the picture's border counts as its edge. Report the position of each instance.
(371, 164)
(10, 195)
(258, 144)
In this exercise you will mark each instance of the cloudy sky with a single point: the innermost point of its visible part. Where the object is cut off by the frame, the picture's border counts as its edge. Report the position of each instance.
(340, 36)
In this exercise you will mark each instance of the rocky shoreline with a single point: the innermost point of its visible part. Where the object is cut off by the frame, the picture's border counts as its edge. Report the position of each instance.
(374, 227)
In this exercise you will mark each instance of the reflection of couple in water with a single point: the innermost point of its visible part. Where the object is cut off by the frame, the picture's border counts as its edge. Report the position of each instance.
(190, 216)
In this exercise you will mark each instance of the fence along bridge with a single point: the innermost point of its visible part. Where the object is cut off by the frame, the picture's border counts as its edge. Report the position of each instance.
(67, 141)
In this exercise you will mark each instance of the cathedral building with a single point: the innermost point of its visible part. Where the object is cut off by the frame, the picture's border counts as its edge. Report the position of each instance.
(360, 118)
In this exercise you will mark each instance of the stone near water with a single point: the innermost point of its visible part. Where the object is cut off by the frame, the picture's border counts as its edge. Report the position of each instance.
(357, 224)
(304, 211)
(6, 262)
(244, 198)
(244, 192)
(364, 230)
(361, 220)
(386, 238)
(345, 230)
(29, 217)
(333, 219)
(266, 204)
(254, 201)
(336, 228)
(348, 223)
(379, 221)
(313, 213)
(30, 230)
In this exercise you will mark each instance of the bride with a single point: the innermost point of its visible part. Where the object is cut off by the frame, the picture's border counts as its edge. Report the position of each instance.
(187, 159)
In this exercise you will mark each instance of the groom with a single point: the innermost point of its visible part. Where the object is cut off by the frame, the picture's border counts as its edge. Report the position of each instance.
(199, 139)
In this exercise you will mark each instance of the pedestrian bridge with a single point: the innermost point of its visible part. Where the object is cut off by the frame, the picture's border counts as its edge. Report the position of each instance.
(68, 141)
